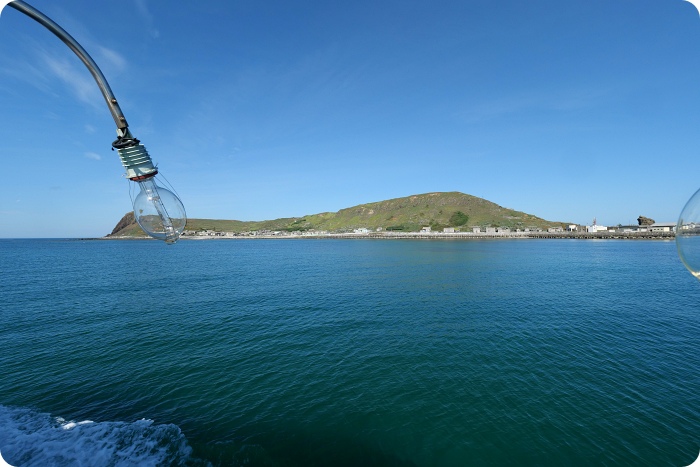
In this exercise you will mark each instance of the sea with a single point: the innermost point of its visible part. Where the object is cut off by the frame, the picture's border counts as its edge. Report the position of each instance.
(353, 352)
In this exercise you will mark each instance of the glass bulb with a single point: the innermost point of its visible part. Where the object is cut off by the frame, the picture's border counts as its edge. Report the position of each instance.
(159, 212)
(688, 235)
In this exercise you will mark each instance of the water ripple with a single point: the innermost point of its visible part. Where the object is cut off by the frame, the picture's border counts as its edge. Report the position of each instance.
(364, 352)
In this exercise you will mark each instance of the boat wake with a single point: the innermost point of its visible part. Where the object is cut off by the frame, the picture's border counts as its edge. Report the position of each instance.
(30, 438)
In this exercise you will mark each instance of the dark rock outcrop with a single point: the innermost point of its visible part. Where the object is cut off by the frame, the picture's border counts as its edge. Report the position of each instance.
(645, 220)
(125, 222)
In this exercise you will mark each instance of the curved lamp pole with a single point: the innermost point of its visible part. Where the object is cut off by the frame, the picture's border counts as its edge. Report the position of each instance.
(158, 211)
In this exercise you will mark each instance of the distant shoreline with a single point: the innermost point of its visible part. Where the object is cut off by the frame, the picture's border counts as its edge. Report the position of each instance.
(606, 235)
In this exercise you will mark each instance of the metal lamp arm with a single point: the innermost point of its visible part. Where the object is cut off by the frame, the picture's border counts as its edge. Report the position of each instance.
(49, 24)
(159, 212)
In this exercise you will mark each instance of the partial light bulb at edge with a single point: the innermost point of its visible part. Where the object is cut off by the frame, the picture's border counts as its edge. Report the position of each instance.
(688, 235)
(159, 212)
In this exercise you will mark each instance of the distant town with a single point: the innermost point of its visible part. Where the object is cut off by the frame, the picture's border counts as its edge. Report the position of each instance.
(656, 230)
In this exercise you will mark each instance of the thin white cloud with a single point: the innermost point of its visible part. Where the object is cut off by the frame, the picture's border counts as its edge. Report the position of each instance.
(147, 17)
(79, 81)
(115, 59)
(559, 101)
(498, 108)
(30, 70)
(93, 155)
(89, 128)
(107, 58)
(44, 63)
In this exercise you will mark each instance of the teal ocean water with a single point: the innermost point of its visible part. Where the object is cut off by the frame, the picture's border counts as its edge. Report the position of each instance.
(348, 352)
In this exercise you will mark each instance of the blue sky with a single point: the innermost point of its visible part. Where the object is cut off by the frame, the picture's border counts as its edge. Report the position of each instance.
(258, 110)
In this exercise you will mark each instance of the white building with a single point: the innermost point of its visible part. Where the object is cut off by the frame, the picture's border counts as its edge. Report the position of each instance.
(425, 230)
(662, 227)
(596, 228)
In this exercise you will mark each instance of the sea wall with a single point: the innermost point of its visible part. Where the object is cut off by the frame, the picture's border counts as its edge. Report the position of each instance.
(444, 236)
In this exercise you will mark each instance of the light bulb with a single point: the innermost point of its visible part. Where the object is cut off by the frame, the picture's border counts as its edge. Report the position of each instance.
(688, 235)
(159, 212)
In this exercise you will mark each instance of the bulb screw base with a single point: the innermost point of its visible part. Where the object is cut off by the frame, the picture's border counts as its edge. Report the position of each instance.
(134, 156)
(137, 162)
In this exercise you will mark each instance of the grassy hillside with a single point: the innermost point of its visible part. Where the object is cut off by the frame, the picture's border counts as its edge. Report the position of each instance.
(437, 210)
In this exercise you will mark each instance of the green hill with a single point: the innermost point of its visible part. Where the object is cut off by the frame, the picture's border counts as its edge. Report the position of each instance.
(409, 214)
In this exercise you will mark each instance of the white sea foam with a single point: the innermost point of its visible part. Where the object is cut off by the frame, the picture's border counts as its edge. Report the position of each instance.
(29, 438)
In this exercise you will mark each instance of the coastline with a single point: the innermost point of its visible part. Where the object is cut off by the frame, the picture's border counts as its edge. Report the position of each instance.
(604, 235)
